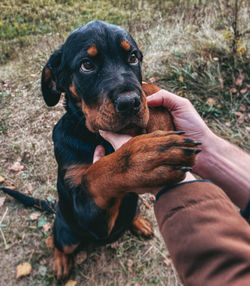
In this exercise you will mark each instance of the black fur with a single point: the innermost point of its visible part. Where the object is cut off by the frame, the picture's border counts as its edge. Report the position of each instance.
(78, 219)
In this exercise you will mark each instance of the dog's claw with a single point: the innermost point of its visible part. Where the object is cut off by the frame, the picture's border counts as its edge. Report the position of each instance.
(186, 169)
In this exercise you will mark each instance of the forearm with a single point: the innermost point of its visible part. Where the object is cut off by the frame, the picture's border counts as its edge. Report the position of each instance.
(207, 238)
(227, 166)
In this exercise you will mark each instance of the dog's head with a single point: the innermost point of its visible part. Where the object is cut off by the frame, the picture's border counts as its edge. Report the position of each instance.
(99, 69)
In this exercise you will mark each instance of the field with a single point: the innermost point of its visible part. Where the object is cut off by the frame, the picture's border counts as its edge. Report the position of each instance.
(198, 49)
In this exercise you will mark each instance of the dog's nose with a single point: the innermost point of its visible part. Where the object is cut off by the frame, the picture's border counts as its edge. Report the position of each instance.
(128, 104)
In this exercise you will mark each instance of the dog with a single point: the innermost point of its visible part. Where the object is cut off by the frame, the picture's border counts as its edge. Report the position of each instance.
(98, 68)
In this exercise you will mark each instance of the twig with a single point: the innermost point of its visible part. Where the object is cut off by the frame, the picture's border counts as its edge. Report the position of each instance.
(4, 240)
(4, 215)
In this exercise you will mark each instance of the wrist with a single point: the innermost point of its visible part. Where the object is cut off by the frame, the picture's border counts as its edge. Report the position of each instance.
(210, 147)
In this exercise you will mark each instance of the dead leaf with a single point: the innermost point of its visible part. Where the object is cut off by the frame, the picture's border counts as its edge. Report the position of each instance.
(242, 108)
(152, 79)
(181, 79)
(16, 167)
(211, 101)
(2, 200)
(35, 215)
(70, 283)
(32, 75)
(233, 90)
(47, 227)
(243, 91)
(114, 245)
(81, 257)
(1, 179)
(23, 269)
(49, 242)
(228, 123)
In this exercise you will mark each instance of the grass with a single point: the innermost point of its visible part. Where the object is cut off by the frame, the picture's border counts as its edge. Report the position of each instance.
(187, 47)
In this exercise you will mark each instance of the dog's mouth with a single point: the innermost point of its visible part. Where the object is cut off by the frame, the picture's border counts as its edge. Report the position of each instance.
(131, 129)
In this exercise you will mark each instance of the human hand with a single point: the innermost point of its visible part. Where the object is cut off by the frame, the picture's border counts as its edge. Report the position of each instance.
(186, 118)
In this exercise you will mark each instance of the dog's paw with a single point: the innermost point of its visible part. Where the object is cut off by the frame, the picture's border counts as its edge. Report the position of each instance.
(62, 265)
(141, 227)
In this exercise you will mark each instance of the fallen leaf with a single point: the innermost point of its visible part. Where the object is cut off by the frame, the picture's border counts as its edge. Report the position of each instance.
(16, 167)
(32, 75)
(181, 79)
(233, 90)
(35, 215)
(242, 108)
(1, 179)
(211, 101)
(49, 242)
(228, 123)
(243, 91)
(114, 245)
(242, 50)
(23, 269)
(70, 283)
(47, 227)
(152, 79)
(81, 257)
(2, 200)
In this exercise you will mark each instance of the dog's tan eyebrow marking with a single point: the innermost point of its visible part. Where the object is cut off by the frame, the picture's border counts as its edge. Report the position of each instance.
(92, 51)
(125, 45)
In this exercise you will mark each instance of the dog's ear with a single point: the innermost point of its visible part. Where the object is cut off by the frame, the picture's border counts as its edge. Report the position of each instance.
(50, 75)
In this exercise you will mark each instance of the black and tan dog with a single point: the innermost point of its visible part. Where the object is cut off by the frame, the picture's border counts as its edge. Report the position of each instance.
(99, 70)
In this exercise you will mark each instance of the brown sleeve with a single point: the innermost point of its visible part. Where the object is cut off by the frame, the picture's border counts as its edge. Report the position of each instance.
(207, 238)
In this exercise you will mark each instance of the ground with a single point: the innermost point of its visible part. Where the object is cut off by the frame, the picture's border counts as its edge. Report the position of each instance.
(198, 50)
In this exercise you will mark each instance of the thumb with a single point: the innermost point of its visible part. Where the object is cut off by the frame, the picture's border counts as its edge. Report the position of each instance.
(116, 140)
(166, 99)
(99, 153)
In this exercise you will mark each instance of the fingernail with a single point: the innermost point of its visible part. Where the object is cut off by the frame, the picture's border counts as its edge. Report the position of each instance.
(187, 140)
(189, 151)
(180, 132)
(196, 151)
(186, 169)
(197, 143)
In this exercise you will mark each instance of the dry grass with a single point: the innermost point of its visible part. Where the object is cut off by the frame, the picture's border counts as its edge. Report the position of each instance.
(177, 39)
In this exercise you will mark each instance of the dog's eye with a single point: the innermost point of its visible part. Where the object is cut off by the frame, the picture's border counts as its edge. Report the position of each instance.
(133, 60)
(87, 66)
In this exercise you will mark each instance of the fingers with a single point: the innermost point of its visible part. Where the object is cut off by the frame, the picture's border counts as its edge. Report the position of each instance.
(99, 153)
(116, 140)
(166, 99)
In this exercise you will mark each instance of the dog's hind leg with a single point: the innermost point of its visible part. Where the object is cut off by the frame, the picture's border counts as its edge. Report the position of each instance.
(141, 227)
